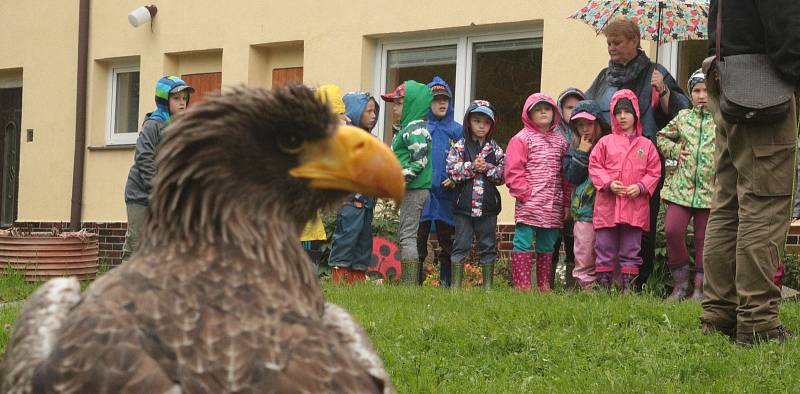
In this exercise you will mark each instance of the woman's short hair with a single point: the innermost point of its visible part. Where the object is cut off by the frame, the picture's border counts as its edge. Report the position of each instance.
(623, 27)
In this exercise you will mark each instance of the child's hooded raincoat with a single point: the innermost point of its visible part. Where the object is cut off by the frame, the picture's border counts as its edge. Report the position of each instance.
(632, 160)
(355, 105)
(690, 139)
(533, 169)
(445, 132)
(477, 192)
(331, 95)
(412, 144)
(139, 184)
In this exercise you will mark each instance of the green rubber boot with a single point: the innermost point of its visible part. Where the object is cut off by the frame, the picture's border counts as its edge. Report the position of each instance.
(409, 272)
(456, 273)
(488, 275)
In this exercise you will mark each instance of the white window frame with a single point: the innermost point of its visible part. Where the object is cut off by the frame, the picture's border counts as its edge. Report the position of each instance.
(111, 137)
(464, 47)
(668, 57)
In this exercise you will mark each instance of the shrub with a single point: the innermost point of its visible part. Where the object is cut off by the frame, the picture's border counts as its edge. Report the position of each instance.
(791, 266)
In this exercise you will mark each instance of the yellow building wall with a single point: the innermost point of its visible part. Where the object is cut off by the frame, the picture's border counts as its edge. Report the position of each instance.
(335, 42)
(42, 46)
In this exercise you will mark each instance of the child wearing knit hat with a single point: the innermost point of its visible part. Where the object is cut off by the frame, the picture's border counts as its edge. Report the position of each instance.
(690, 139)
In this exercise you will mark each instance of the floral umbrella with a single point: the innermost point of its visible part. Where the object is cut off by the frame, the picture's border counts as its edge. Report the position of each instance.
(660, 21)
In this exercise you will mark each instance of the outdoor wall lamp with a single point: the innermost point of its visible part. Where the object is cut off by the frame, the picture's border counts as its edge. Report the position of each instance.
(143, 15)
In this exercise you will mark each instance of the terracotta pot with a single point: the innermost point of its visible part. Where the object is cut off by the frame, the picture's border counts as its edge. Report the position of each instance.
(42, 256)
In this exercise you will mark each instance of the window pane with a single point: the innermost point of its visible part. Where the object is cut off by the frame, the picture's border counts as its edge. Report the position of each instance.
(506, 73)
(421, 65)
(126, 109)
(690, 58)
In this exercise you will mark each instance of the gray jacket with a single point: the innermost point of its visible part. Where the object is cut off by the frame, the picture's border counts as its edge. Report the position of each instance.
(140, 177)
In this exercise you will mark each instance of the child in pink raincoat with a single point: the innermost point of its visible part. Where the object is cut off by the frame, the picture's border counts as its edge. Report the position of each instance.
(625, 168)
(533, 176)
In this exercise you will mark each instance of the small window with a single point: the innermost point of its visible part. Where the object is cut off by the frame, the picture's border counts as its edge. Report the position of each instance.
(506, 73)
(502, 67)
(421, 65)
(690, 57)
(123, 125)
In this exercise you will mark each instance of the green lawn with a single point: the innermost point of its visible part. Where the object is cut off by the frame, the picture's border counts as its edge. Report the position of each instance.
(470, 341)
(13, 286)
(433, 340)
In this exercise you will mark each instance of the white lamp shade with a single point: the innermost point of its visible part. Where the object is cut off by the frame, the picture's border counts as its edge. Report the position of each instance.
(139, 16)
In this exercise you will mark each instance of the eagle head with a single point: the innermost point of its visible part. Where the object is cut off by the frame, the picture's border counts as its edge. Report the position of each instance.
(232, 163)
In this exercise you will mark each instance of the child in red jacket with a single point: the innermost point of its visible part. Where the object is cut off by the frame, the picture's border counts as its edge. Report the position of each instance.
(625, 168)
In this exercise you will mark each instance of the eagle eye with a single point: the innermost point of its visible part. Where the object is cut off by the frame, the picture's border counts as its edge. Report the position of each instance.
(290, 143)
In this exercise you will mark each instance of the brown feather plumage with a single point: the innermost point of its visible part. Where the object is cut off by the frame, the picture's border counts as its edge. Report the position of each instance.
(221, 297)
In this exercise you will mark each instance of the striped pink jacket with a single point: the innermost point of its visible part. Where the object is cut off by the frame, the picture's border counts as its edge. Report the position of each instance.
(533, 170)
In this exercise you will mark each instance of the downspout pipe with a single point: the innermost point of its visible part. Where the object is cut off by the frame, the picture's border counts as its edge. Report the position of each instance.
(80, 116)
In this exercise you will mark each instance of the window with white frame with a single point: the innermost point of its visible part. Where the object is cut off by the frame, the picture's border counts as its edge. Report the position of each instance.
(123, 105)
(502, 68)
(682, 59)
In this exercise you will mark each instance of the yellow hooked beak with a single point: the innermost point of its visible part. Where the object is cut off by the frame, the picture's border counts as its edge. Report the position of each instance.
(352, 160)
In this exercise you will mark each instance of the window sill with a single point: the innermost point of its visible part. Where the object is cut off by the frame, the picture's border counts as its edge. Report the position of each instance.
(112, 147)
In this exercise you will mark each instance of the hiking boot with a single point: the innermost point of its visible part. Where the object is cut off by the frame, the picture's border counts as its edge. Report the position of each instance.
(409, 272)
(521, 270)
(698, 294)
(544, 266)
(488, 275)
(709, 328)
(456, 273)
(680, 283)
(778, 335)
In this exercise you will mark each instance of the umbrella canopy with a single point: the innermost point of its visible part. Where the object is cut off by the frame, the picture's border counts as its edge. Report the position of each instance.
(660, 21)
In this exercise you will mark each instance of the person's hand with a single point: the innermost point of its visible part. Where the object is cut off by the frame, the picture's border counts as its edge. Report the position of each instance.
(684, 156)
(633, 191)
(617, 188)
(567, 214)
(480, 164)
(657, 80)
(448, 184)
(585, 144)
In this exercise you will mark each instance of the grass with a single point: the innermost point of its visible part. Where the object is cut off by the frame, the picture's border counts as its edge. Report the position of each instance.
(470, 341)
(8, 314)
(13, 291)
(438, 341)
(13, 286)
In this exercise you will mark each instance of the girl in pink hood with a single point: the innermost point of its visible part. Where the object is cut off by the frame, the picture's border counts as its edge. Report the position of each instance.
(533, 176)
(625, 169)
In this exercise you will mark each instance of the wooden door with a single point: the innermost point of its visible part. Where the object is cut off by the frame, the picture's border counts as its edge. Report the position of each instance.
(10, 123)
(282, 77)
(203, 84)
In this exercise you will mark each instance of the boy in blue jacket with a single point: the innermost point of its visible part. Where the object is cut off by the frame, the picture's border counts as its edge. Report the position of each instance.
(351, 249)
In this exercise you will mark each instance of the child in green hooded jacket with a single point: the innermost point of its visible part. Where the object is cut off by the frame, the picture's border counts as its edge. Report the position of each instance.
(411, 145)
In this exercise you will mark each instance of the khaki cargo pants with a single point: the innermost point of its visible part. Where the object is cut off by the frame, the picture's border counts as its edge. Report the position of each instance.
(750, 214)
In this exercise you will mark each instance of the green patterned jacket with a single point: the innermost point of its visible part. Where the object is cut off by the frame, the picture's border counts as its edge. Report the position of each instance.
(689, 138)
